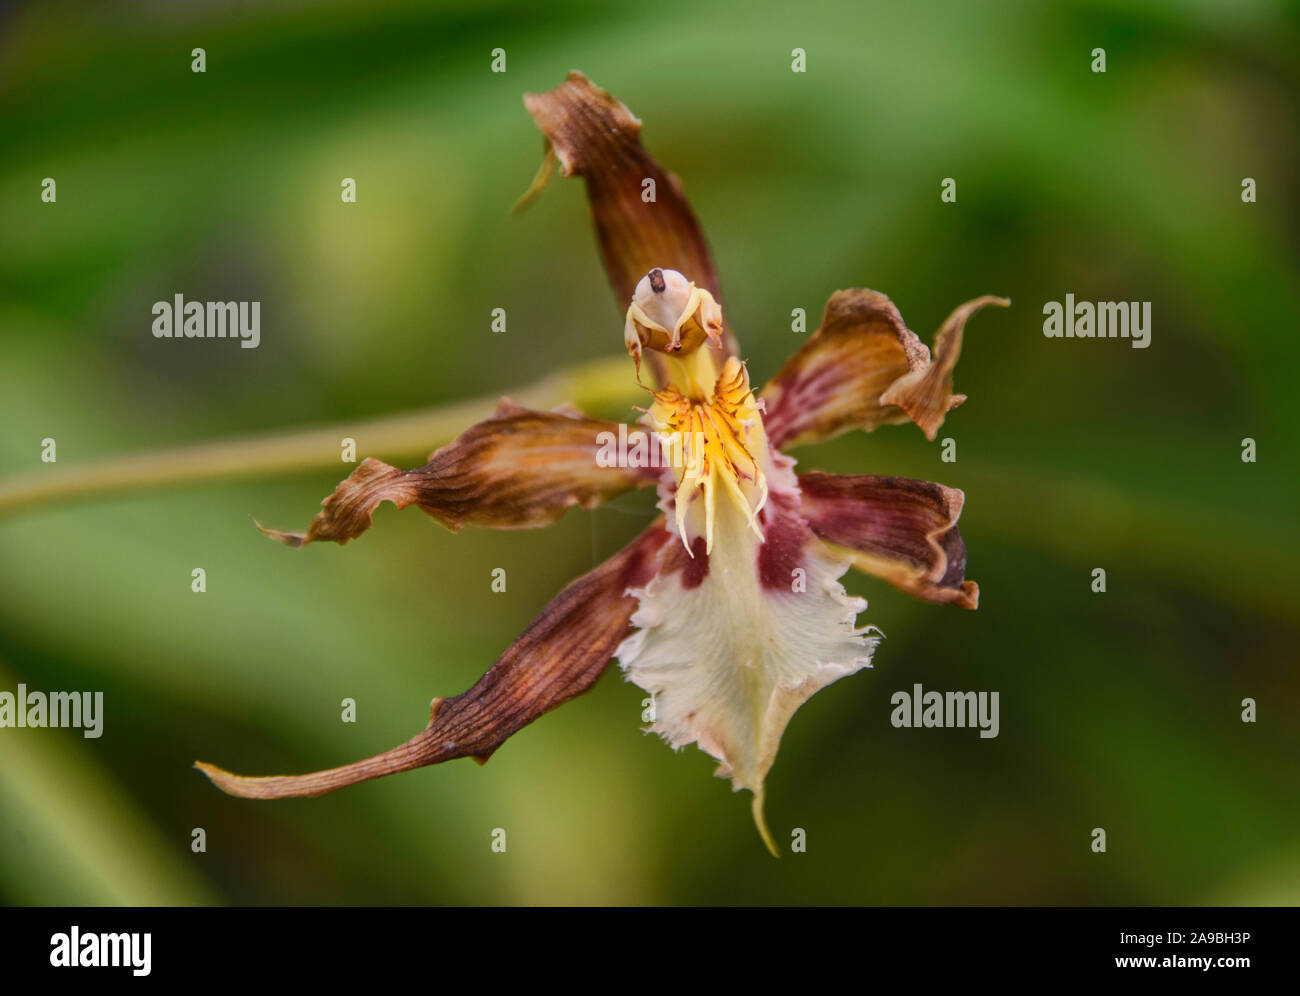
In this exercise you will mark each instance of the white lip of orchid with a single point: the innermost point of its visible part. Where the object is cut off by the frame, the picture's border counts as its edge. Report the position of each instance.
(728, 663)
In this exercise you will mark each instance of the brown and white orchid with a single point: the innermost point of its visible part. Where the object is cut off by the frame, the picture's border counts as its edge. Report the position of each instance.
(728, 609)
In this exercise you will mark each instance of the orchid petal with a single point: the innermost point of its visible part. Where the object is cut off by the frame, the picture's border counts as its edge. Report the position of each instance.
(560, 655)
(864, 368)
(517, 469)
(594, 136)
(897, 529)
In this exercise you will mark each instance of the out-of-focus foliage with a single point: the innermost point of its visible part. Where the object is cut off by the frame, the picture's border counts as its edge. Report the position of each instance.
(1118, 710)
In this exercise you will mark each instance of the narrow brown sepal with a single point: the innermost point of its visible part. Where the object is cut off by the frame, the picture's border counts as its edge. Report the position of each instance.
(560, 655)
(518, 469)
(594, 136)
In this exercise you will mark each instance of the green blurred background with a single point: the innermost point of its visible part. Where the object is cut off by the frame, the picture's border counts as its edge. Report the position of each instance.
(1118, 710)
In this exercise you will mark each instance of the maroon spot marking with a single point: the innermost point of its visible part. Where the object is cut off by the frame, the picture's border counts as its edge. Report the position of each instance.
(785, 537)
(693, 569)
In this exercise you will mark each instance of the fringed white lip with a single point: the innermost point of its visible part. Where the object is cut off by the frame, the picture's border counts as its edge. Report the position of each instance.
(729, 659)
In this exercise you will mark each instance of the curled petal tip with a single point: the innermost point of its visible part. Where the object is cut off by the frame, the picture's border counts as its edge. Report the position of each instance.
(232, 784)
(229, 783)
(294, 540)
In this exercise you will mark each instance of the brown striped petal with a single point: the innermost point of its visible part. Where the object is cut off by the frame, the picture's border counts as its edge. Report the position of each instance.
(900, 530)
(864, 368)
(560, 655)
(519, 468)
(592, 135)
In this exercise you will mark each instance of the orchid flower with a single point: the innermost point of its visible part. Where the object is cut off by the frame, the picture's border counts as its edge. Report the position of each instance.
(728, 610)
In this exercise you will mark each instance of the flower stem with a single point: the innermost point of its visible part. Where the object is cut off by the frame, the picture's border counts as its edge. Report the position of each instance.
(596, 384)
